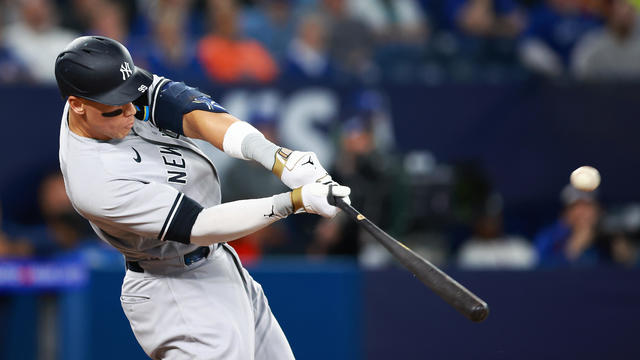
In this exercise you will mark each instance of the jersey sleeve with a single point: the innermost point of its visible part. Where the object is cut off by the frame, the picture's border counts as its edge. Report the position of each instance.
(150, 210)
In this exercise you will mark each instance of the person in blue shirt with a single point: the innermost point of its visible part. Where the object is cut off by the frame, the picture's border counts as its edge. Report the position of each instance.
(573, 238)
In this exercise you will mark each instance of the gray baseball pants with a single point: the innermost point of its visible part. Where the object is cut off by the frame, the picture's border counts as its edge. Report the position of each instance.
(207, 310)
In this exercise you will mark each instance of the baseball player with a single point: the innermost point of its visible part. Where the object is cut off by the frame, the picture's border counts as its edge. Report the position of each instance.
(150, 192)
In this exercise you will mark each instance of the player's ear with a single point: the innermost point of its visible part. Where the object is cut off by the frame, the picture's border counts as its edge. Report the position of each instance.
(76, 105)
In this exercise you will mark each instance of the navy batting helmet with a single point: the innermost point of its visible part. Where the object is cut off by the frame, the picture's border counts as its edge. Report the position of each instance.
(100, 69)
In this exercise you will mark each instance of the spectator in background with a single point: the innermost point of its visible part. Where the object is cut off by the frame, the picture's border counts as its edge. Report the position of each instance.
(573, 238)
(622, 226)
(350, 41)
(272, 23)
(393, 22)
(146, 13)
(613, 52)
(12, 69)
(365, 162)
(401, 31)
(226, 56)
(329, 238)
(490, 248)
(64, 231)
(486, 33)
(108, 18)
(36, 39)
(555, 27)
(308, 56)
(76, 14)
(486, 18)
(171, 50)
(10, 248)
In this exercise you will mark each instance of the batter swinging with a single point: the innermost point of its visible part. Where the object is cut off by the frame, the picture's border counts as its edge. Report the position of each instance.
(150, 192)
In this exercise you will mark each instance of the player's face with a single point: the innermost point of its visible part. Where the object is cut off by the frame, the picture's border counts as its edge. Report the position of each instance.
(109, 122)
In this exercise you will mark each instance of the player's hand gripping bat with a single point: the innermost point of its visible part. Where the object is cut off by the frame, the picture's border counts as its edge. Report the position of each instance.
(456, 295)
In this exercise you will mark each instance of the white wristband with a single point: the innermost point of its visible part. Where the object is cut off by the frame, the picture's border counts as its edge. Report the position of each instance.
(232, 142)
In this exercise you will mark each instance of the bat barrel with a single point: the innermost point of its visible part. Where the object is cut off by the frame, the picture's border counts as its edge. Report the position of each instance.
(452, 292)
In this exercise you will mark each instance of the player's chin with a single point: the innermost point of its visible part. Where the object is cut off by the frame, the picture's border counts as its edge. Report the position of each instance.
(127, 129)
(121, 135)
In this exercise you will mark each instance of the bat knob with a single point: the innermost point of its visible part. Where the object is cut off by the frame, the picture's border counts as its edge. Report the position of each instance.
(479, 312)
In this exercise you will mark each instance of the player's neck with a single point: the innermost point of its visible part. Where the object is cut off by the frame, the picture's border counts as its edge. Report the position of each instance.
(77, 124)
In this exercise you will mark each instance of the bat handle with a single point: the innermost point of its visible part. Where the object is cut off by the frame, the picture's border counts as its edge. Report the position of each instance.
(346, 207)
(337, 200)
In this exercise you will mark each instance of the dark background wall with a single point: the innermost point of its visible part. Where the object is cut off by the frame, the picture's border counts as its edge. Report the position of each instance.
(581, 314)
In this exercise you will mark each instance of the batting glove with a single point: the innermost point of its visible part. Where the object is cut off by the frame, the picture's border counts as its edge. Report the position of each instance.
(297, 168)
(314, 199)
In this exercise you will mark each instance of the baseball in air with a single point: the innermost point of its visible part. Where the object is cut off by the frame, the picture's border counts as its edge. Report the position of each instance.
(585, 178)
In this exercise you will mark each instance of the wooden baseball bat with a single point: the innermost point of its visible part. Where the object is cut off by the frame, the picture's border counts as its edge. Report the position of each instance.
(456, 295)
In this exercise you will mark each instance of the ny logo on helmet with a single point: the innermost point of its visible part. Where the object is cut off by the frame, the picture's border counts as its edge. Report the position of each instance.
(125, 70)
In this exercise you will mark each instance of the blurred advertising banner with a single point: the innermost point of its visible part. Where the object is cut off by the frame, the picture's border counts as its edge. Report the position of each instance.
(25, 275)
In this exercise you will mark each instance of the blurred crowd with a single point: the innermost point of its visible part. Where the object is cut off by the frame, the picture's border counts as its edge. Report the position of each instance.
(450, 213)
(368, 41)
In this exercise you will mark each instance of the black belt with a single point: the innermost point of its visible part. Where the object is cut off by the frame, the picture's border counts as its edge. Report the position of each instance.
(190, 258)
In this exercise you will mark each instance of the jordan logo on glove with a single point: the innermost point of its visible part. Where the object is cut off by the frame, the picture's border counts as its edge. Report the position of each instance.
(308, 161)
